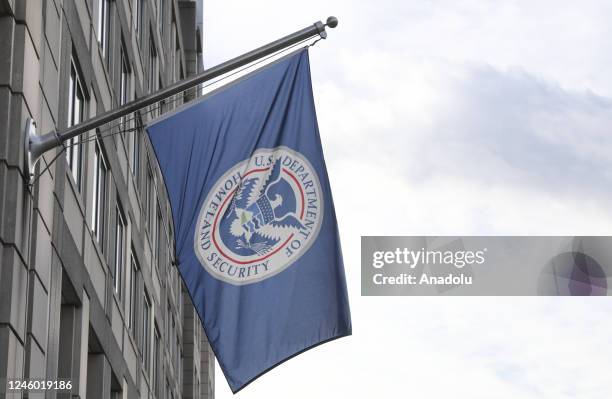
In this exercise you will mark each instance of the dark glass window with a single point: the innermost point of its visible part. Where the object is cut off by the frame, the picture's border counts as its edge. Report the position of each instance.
(146, 331)
(76, 102)
(135, 271)
(99, 196)
(120, 233)
(103, 26)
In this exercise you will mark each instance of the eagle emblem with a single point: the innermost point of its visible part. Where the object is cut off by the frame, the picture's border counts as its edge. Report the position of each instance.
(261, 213)
(260, 216)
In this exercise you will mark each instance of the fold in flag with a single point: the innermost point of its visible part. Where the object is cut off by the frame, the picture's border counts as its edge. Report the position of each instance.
(255, 228)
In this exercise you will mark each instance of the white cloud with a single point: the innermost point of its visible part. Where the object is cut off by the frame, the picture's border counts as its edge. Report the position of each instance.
(452, 117)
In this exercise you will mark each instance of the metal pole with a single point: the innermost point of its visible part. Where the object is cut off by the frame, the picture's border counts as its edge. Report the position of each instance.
(37, 145)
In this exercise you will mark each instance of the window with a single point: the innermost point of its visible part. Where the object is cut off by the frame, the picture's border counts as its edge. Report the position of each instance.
(196, 378)
(99, 196)
(156, 358)
(178, 277)
(186, 92)
(139, 18)
(152, 64)
(135, 139)
(158, 235)
(168, 321)
(124, 82)
(162, 104)
(75, 116)
(177, 364)
(162, 13)
(150, 198)
(135, 270)
(171, 339)
(146, 332)
(174, 40)
(169, 249)
(120, 231)
(177, 56)
(103, 28)
(177, 289)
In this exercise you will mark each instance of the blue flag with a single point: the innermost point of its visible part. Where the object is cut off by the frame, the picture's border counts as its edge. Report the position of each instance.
(255, 228)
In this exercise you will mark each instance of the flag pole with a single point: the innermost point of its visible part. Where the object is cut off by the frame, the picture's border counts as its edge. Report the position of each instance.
(36, 145)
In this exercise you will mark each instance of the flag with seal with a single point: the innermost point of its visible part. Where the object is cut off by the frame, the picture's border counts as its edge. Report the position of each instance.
(255, 229)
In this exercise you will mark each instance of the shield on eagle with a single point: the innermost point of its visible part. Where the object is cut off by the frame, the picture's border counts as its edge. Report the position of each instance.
(261, 214)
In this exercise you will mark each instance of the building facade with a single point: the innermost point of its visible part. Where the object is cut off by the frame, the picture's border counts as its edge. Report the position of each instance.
(89, 290)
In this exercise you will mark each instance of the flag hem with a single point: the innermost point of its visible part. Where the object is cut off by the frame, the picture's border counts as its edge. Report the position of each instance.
(330, 339)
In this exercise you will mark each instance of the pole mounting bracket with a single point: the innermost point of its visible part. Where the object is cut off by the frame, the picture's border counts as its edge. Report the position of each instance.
(29, 136)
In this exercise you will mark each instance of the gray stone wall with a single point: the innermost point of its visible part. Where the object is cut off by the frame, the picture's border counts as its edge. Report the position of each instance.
(60, 314)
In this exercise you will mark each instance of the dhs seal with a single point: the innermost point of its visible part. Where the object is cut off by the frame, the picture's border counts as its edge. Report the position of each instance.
(259, 217)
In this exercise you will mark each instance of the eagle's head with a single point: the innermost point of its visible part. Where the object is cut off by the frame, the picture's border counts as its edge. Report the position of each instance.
(276, 202)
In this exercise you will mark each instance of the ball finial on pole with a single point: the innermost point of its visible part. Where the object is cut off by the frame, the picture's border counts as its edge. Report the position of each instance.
(332, 22)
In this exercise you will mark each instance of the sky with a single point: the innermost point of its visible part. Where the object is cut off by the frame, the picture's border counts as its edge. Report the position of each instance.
(452, 117)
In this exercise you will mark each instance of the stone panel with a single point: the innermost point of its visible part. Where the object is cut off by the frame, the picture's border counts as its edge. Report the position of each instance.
(7, 26)
(84, 19)
(46, 197)
(100, 76)
(13, 289)
(33, 19)
(96, 272)
(13, 215)
(117, 323)
(50, 88)
(136, 227)
(38, 316)
(42, 252)
(31, 75)
(35, 360)
(73, 215)
(130, 354)
(5, 109)
(11, 364)
(122, 157)
(52, 30)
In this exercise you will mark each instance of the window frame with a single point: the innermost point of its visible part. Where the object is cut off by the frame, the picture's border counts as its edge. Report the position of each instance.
(150, 197)
(120, 246)
(76, 109)
(162, 14)
(158, 234)
(139, 19)
(174, 39)
(147, 314)
(125, 84)
(104, 26)
(134, 304)
(125, 76)
(152, 72)
(135, 150)
(99, 199)
(155, 372)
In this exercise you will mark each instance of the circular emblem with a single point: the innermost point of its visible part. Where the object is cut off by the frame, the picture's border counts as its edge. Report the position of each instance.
(259, 217)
